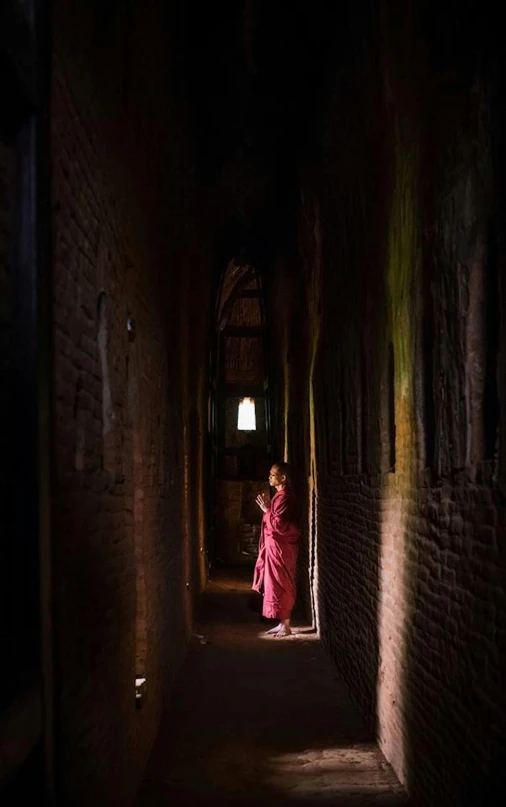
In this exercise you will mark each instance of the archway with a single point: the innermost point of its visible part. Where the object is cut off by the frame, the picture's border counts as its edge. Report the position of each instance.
(239, 418)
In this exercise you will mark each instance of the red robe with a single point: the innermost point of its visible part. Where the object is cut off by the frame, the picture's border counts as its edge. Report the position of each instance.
(277, 556)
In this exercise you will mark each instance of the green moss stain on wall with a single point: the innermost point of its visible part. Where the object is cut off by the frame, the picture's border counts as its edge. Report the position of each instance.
(402, 297)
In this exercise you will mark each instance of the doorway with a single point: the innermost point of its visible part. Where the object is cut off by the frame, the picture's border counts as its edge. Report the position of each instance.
(239, 419)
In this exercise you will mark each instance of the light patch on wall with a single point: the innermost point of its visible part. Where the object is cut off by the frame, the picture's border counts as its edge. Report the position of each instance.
(395, 605)
(246, 417)
(314, 308)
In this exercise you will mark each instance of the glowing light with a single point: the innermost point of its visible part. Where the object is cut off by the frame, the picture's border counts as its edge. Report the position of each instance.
(246, 419)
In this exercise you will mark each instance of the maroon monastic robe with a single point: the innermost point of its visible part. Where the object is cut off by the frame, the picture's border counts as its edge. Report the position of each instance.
(274, 575)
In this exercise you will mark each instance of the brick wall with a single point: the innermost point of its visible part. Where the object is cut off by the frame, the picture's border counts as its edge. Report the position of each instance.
(7, 188)
(131, 303)
(387, 363)
(397, 229)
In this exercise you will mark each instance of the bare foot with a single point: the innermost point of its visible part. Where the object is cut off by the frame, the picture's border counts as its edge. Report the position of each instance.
(283, 631)
(274, 631)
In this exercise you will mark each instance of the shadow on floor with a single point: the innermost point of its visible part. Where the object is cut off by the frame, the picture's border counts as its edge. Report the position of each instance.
(259, 720)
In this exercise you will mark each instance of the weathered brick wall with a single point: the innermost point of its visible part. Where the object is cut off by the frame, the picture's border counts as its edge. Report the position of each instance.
(408, 391)
(130, 338)
(7, 188)
(243, 361)
(237, 521)
(412, 610)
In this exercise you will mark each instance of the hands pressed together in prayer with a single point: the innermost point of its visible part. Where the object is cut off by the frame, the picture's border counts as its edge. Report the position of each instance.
(262, 503)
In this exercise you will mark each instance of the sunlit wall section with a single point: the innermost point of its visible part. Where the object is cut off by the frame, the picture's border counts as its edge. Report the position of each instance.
(314, 314)
(394, 597)
(286, 394)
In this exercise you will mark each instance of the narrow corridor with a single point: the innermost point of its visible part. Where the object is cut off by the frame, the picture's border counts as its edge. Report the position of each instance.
(261, 721)
(237, 236)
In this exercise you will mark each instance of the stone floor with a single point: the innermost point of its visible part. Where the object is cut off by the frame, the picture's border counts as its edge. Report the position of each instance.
(259, 720)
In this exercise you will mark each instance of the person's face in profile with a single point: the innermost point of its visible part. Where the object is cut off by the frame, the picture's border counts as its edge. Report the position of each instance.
(275, 478)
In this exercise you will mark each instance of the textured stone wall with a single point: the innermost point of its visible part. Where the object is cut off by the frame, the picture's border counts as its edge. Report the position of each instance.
(397, 391)
(131, 316)
(7, 186)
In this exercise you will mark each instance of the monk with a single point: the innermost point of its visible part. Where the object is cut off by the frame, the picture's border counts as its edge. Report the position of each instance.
(274, 575)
